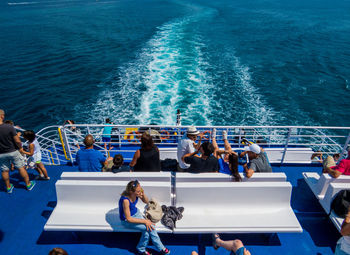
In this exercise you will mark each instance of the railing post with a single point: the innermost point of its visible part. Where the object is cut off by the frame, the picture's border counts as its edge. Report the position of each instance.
(345, 147)
(65, 144)
(286, 145)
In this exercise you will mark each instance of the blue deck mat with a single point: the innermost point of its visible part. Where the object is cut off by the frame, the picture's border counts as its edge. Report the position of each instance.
(24, 214)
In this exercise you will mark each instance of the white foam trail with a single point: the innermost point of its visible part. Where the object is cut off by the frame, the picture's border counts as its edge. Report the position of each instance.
(168, 73)
(23, 3)
(255, 107)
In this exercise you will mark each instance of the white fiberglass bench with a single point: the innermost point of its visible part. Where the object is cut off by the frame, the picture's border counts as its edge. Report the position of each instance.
(236, 207)
(122, 176)
(93, 206)
(319, 183)
(332, 190)
(219, 177)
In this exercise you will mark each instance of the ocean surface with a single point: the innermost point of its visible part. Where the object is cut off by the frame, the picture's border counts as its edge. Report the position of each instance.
(223, 62)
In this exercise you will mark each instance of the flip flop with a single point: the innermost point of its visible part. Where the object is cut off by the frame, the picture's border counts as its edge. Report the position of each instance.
(214, 237)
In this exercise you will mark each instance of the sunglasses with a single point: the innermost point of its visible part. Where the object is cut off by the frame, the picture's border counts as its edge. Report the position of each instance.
(136, 182)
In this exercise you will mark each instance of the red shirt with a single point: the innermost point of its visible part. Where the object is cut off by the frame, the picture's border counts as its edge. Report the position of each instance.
(343, 166)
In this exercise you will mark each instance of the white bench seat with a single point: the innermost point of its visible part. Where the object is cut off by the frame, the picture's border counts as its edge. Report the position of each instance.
(244, 207)
(220, 177)
(332, 190)
(319, 183)
(122, 176)
(93, 206)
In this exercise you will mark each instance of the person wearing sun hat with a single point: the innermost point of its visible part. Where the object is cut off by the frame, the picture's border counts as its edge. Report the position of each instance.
(188, 144)
(258, 160)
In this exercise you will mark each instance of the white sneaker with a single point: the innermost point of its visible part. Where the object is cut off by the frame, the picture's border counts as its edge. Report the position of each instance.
(224, 135)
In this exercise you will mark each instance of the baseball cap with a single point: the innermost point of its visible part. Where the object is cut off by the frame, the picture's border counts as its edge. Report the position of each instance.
(253, 148)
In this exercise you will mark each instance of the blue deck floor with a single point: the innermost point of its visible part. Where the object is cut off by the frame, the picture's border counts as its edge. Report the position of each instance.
(24, 214)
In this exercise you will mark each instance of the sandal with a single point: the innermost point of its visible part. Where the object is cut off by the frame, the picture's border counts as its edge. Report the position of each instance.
(214, 237)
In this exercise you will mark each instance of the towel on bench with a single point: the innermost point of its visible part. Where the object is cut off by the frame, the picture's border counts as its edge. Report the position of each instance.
(171, 215)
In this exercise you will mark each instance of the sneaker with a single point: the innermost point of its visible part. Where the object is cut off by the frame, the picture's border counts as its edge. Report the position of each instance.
(46, 178)
(224, 135)
(165, 251)
(214, 237)
(213, 133)
(144, 253)
(9, 190)
(31, 185)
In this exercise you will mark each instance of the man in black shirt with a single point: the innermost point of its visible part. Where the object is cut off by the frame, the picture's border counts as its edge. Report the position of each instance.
(10, 144)
(204, 163)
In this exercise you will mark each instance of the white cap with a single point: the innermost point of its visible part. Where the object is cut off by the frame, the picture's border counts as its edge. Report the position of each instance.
(253, 148)
(192, 130)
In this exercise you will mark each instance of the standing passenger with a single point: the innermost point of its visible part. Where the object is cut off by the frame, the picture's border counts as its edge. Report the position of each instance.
(187, 145)
(147, 157)
(10, 144)
(107, 133)
(35, 152)
(133, 219)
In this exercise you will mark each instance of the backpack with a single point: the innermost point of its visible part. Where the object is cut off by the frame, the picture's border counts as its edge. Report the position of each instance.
(154, 211)
(341, 203)
(168, 164)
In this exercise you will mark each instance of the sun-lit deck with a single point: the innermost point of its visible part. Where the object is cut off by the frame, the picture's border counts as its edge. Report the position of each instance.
(24, 214)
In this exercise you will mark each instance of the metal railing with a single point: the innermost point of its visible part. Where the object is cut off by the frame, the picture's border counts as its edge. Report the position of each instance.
(60, 143)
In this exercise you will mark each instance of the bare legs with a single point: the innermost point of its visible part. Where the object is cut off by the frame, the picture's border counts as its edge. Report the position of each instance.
(230, 245)
(6, 177)
(42, 170)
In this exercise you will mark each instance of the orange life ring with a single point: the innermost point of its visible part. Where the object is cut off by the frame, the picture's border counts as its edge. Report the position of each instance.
(164, 134)
(136, 136)
(204, 137)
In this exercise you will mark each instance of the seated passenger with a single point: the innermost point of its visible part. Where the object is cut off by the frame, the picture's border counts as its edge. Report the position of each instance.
(342, 168)
(330, 161)
(132, 218)
(235, 246)
(89, 159)
(258, 160)
(343, 245)
(186, 145)
(147, 157)
(115, 165)
(206, 162)
(229, 163)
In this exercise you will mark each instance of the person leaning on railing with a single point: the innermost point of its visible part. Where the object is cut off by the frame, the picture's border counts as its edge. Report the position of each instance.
(343, 245)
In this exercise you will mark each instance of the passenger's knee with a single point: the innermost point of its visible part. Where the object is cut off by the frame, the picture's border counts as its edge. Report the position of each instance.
(237, 244)
(194, 253)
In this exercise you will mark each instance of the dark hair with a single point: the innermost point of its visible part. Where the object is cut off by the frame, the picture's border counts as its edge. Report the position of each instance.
(89, 140)
(233, 164)
(336, 155)
(118, 161)
(146, 142)
(131, 187)
(58, 251)
(208, 148)
(9, 122)
(29, 135)
(108, 120)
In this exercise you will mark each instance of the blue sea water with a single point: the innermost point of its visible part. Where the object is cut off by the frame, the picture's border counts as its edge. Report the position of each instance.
(223, 62)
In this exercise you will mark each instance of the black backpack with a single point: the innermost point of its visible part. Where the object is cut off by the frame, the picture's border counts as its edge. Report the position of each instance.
(168, 164)
(341, 203)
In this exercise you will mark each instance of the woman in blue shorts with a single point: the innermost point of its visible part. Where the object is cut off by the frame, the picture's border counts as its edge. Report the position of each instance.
(228, 159)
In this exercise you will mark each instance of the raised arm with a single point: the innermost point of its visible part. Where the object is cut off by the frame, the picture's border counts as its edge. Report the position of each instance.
(197, 145)
(30, 152)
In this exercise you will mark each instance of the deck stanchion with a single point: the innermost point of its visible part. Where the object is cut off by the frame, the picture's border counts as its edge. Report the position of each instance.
(286, 145)
(345, 147)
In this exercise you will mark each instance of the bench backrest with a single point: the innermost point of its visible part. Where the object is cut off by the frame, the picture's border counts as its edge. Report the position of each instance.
(219, 177)
(332, 190)
(122, 176)
(234, 195)
(79, 193)
(326, 179)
